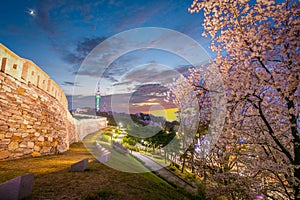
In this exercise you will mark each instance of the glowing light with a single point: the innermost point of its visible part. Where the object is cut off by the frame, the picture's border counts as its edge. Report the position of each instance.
(31, 12)
(169, 114)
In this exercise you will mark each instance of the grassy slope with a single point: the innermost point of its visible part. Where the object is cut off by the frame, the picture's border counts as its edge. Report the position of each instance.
(54, 181)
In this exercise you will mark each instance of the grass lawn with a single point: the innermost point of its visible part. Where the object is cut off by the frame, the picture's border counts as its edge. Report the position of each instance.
(52, 179)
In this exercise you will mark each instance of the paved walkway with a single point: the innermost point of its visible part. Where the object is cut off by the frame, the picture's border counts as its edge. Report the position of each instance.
(164, 172)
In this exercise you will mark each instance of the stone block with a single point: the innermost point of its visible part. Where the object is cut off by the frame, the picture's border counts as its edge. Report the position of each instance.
(18, 134)
(15, 112)
(30, 145)
(23, 144)
(24, 135)
(46, 150)
(50, 139)
(17, 188)
(27, 151)
(54, 144)
(6, 88)
(18, 155)
(2, 122)
(62, 148)
(36, 148)
(41, 139)
(35, 154)
(80, 166)
(16, 138)
(8, 135)
(4, 102)
(3, 128)
(12, 129)
(21, 91)
(13, 146)
(13, 125)
(5, 141)
(4, 154)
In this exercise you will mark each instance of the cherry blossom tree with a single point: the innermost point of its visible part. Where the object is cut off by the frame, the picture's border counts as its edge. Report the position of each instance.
(182, 95)
(257, 53)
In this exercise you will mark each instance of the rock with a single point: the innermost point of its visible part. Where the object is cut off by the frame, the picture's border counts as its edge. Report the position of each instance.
(5, 141)
(46, 150)
(36, 148)
(41, 139)
(20, 91)
(3, 127)
(55, 143)
(50, 139)
(17, 188)
(24, 135)
(80, 166)
(23, 144)
(13, 145)
(4, 154)
(62, 148)
(30, 145)
(16, 138)
(35, 154)
(8, 135)
(27, 151)
(18, 134)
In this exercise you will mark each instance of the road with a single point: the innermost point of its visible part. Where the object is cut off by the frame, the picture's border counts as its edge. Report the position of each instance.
(166, 174)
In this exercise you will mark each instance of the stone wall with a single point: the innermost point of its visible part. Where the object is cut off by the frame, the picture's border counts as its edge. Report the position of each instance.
(87, 126)
(34, 116)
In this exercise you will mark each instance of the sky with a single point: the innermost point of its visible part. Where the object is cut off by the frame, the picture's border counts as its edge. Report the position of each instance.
(59, 36)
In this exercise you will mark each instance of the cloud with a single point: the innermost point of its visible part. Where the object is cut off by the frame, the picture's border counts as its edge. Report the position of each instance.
(43, 18)
(136, 15)
(69, 83)
(52, 15)
(81, 50)
(154, 72)
(123, 83)
(149, 90)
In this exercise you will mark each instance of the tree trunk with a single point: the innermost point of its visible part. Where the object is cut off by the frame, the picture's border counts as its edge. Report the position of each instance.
(193, 165)
(297, 169)
(294, 125)
(183, 164)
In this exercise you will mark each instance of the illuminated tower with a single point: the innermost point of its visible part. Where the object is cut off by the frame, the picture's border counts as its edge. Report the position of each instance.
(97, 100)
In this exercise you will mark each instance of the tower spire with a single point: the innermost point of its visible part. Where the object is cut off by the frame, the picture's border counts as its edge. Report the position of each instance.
(97, 99)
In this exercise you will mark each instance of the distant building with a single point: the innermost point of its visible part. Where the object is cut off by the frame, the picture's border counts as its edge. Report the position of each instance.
(97, 100)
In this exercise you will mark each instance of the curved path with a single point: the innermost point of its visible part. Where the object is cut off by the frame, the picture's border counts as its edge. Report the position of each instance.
(163, 172)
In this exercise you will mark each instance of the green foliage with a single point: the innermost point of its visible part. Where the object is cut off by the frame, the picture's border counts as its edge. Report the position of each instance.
(130, 140)
(201, 190)
(173, 168)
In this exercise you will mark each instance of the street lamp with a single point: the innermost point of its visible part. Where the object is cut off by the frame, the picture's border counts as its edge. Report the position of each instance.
(120, 125)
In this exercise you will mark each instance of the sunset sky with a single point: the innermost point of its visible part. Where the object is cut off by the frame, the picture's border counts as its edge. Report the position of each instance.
(58, 35)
